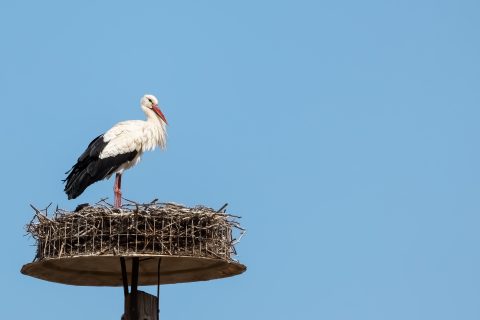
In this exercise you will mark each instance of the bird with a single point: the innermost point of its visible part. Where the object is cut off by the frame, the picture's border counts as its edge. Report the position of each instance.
(117, 150)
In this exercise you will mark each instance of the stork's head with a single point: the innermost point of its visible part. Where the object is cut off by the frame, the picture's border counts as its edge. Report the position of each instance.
(150, 102)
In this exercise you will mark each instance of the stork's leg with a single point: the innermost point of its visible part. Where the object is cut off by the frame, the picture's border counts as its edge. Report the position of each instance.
(117, 190)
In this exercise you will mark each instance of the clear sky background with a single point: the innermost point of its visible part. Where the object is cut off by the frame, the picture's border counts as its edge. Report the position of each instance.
(345, 133)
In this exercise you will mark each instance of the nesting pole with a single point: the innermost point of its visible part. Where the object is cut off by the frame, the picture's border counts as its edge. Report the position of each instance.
(138, 304)
(134, 245)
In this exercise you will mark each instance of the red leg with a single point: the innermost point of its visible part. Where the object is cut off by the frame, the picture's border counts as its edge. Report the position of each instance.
(117, 190)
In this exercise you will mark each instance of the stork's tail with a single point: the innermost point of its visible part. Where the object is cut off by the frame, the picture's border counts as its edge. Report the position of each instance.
(76, 182)
(90, 170)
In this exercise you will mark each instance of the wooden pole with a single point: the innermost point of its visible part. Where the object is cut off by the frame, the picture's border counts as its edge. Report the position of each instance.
(146, 306)
(139, 305)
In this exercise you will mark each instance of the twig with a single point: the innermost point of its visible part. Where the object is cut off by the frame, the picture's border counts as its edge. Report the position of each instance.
(223, 207)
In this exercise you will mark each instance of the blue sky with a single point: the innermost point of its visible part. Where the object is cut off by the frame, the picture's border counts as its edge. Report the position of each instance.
(345, 133)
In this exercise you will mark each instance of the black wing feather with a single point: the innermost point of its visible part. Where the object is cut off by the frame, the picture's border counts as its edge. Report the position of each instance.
(90, 168)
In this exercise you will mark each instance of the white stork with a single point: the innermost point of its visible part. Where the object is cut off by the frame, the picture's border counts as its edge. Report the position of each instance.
(117, 150)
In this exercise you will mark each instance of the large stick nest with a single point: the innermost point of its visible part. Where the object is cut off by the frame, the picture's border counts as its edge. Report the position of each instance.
(153, 228)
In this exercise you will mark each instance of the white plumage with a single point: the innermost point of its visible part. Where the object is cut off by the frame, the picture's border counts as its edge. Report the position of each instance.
(118, 149)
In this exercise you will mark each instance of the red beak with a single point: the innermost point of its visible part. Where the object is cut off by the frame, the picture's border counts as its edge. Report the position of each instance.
(159, 113)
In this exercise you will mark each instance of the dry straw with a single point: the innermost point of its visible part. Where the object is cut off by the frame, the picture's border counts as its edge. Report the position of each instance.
(154, 228)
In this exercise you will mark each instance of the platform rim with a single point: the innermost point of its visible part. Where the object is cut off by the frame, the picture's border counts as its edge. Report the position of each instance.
(203, 269)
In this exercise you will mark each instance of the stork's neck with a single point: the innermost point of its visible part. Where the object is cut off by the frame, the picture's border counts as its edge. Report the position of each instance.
(156, 130)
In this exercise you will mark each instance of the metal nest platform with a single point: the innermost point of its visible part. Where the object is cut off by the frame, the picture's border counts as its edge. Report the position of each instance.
(172, 244)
